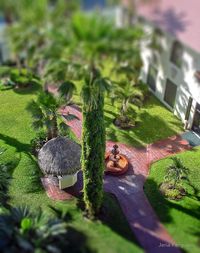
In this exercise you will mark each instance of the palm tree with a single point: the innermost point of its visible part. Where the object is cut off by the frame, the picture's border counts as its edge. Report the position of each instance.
(176, 172)
(45, 113)
(66, 91)
(126, 94)
(58, 72)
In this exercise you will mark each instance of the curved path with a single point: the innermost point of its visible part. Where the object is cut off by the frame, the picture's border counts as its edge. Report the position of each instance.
(128, 188)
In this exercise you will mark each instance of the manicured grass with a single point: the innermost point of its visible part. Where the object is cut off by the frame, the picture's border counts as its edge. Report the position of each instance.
(154, 122)
(111, 235)
(181, 218)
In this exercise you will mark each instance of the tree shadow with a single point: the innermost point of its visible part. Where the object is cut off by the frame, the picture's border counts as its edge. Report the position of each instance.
(30, 89)
(111, 214)
(19, 146)
(34, 175)
(9, 167)
(75, 236)
(114, 218)
(152, 128)
(148, 129)
(141, 217)
(163, 207)
(171, 20)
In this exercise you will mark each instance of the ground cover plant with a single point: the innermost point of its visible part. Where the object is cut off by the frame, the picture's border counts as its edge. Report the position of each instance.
(180, 217)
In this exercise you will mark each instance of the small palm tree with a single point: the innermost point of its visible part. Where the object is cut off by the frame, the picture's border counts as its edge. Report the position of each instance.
(126, 94)
(176, 172)
(45, 114)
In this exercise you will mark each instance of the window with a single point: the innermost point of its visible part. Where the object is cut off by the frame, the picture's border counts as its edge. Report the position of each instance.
(170, 93)
(151, 79)
(177, 54)
(187, 114)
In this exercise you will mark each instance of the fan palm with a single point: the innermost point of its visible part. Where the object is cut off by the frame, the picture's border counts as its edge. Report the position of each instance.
(176, 172)
(45, 113)
(126, 94)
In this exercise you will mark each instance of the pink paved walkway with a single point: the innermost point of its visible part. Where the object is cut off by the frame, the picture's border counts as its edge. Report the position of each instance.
(128, 188)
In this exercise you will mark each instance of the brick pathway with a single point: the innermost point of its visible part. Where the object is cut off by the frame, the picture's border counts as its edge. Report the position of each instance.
(128, 188)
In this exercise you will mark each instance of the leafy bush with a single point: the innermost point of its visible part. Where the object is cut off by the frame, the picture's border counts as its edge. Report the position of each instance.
(28, 232)
(176, 172)
(38, 142)
(24, 231)
(17, 77)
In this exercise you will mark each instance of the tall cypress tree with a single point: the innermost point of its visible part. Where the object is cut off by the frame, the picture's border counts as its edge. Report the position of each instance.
(93, 141)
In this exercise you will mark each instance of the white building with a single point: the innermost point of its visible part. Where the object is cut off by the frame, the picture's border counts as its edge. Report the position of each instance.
(3, 46)
(173, 72)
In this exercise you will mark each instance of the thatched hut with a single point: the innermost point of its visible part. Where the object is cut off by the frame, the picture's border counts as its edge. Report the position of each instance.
(60, 157)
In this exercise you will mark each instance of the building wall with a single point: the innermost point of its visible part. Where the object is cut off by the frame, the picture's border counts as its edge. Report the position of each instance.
(3, 44)
(183, 77)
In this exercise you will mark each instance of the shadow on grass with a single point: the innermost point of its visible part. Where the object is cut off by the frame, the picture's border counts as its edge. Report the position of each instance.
(78, 242)
(148, 130)
(149, 127)
(31, 89)
(34, 175)
(9, 167)
(162, 206)
(111, 215)
(114, 218)
(19, 146)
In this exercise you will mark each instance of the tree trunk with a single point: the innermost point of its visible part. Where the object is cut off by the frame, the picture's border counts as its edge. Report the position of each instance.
(54, 126)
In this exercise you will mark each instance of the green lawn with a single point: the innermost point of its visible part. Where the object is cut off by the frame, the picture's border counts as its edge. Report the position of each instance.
(154, 122)
(110, 236)
(181, 218)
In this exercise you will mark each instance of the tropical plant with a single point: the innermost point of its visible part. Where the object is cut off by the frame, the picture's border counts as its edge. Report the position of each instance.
(45, 113)
(38, 142)
(24, 231)
(176, 173)
(58, 72)
(93, 140)
(129, 98)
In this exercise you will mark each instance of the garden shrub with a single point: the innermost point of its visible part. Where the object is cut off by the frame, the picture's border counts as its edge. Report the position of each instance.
(38, 142)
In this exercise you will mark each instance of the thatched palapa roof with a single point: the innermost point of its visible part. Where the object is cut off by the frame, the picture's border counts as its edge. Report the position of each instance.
(60, 156)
